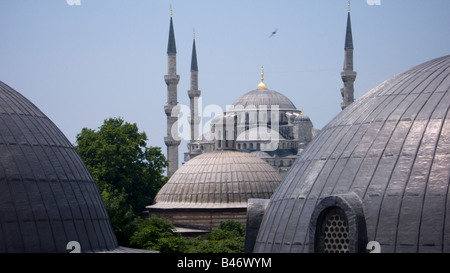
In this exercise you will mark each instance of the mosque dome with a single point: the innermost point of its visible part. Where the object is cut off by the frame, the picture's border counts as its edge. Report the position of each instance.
(48, 198)
(302, 117)
(265, 97)
(380, 170)
(260, 133)
(219, 179)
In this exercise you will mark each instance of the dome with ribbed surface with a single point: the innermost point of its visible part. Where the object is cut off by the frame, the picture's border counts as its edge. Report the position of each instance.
(381, 168)
(265, 97)
(220, 179)
(47, 195)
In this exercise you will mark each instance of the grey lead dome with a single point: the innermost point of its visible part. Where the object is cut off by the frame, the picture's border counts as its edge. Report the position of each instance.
(47, 195)
(265, 97)
(220, 179)
(381, 167)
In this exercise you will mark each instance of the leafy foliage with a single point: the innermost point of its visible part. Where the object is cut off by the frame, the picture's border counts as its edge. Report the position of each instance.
(128, 173)
(118, 159)
(157, 234)
(228, 238)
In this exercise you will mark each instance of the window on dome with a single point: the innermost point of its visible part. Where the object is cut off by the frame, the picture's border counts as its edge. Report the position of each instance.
(333, 234)
(338, 225)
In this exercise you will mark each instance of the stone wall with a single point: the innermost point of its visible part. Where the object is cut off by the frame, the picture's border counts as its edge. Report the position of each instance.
(207, 219)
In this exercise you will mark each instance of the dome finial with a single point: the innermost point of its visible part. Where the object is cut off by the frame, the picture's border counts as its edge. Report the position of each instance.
(262, 85)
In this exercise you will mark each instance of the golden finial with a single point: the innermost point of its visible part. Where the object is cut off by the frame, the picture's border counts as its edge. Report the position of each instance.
(198, 143)
(262, 85)
(194, 33)
(348, 5)
(171, 13)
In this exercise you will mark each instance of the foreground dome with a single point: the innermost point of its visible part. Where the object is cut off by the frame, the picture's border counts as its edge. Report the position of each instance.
(47, 195)
(379, 171)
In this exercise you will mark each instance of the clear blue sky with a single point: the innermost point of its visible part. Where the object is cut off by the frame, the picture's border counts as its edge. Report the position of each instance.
(107, 58)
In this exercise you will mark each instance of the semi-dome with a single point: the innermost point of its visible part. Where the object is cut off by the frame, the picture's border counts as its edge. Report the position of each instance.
(265, 97)
(48, 198)
(219, 179)
(260, 133)
(379, 171)
(302, 117)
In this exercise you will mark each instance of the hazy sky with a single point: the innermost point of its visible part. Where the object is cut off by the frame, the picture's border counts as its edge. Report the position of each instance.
(81, 64)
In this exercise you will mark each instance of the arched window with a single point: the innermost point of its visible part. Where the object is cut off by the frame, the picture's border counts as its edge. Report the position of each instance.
(338, 225)
(332, 233)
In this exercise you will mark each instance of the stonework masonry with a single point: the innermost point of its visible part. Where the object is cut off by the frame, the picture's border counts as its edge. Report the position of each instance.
(172, 141)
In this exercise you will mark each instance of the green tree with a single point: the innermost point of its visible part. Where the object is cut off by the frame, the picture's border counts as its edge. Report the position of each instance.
(120, 214)
(157, 234)
(118, 159)
(228, 238)
(128, 173)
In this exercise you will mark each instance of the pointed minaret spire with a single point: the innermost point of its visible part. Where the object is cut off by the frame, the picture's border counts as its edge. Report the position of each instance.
(348, 75)
(194, 66)
(194, 96)
(171, 47)
(348, 34)
(172, 140)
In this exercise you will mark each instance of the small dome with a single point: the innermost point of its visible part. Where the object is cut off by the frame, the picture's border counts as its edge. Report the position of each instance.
(265, 97)
(262, 86)
(260, 133)
(302, 117)
(47, 195)
(220, 179)
(380, 169)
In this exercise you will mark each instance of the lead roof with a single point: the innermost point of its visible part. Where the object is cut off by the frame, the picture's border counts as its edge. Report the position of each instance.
(47, 195)
(220, 179)
(265, 97)
(391, 147)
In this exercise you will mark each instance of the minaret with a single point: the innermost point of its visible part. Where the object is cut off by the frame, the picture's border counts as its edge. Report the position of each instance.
(172, 140)
(194, 95)
(348, 75)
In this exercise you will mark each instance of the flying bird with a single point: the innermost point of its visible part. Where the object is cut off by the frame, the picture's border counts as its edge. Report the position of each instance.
(273, 33)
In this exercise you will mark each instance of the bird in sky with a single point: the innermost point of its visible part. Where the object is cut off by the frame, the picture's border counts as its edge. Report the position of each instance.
(273, 33)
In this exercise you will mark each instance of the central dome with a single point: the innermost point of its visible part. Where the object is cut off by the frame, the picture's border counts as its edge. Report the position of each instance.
(265, 97)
